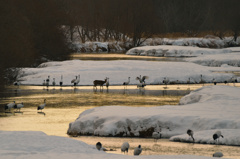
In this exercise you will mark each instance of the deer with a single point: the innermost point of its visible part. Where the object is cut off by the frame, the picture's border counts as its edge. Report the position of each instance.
(99, 83)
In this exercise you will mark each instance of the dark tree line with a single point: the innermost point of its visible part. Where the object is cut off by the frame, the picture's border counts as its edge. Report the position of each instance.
(31, 30)
(139, 19)
(192, 17)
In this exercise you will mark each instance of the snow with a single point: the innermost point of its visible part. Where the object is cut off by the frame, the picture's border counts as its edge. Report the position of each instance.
(231, 59)
(231, 137)
(174, 51)
(205, 42)
(118, 72)
(204, 110)
(27, 144)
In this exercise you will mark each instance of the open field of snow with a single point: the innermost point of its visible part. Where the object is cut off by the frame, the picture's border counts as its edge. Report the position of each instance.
(27, 144)
(119, 71)
(208, 108)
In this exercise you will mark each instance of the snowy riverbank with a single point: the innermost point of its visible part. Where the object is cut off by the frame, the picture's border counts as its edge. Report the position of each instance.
(118, 72)
(175, 51)
(116, 46)
(208, 108)
(28, 144)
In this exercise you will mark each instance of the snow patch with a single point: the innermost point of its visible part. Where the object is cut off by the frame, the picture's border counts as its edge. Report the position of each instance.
(208, 108)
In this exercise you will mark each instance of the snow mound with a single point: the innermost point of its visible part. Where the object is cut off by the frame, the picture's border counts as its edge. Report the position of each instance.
(208, 108)
(27, 144)
(210, 94)
(231, 59)
(231, 137)
(174, 51)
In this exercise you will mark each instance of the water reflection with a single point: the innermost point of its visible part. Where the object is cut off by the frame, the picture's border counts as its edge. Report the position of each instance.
(120, 56)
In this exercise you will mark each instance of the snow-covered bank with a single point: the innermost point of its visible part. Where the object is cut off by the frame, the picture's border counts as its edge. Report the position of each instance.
(208, 108)
(230, 137)
(100, 47)
(116, 46)
(174, 51)
(231, 59)
(27, 144)
(208, 41)
(119, 71)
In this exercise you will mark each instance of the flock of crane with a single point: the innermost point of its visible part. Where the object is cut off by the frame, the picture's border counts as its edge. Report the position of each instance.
(100, 83)
(96, 83)
(124, 148)
(157, 135)
(13, 105)
(141, 80)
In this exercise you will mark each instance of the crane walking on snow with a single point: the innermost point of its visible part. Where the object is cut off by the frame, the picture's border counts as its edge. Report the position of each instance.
(61, 81)
(190, 133)
(217, 135)
(125, 147)
(126, 83)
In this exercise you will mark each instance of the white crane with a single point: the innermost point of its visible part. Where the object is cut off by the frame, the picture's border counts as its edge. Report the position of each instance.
(178, 84)
(156, 136)
(125, 147)
(214, 81)
(189, 82)
(74, 80)
(16, 83)
(165, 81)
(126, 83)
(53, 82)
(78, 80)
(9, 106)
(190, 133)
(61, 81)
(47, 81)
(98, 145)
(142, 79)
(201, 80)
(41, 107)
(137, 150)
(234, 80)
(44, 83)
(19, 106)
(217, 135)
(107, 83)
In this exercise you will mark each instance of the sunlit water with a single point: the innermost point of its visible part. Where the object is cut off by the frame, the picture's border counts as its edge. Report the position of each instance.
(65, 104)
(120, 56)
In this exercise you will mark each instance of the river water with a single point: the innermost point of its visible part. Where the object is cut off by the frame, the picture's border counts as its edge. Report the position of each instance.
(64, 104)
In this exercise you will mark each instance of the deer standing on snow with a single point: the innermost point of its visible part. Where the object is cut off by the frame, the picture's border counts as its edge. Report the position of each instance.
(99, 83)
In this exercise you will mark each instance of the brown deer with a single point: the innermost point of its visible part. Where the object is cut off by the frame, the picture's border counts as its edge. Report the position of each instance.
(99, 83)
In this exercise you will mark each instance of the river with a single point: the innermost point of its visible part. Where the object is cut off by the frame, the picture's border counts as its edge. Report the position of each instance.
(64, 104)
